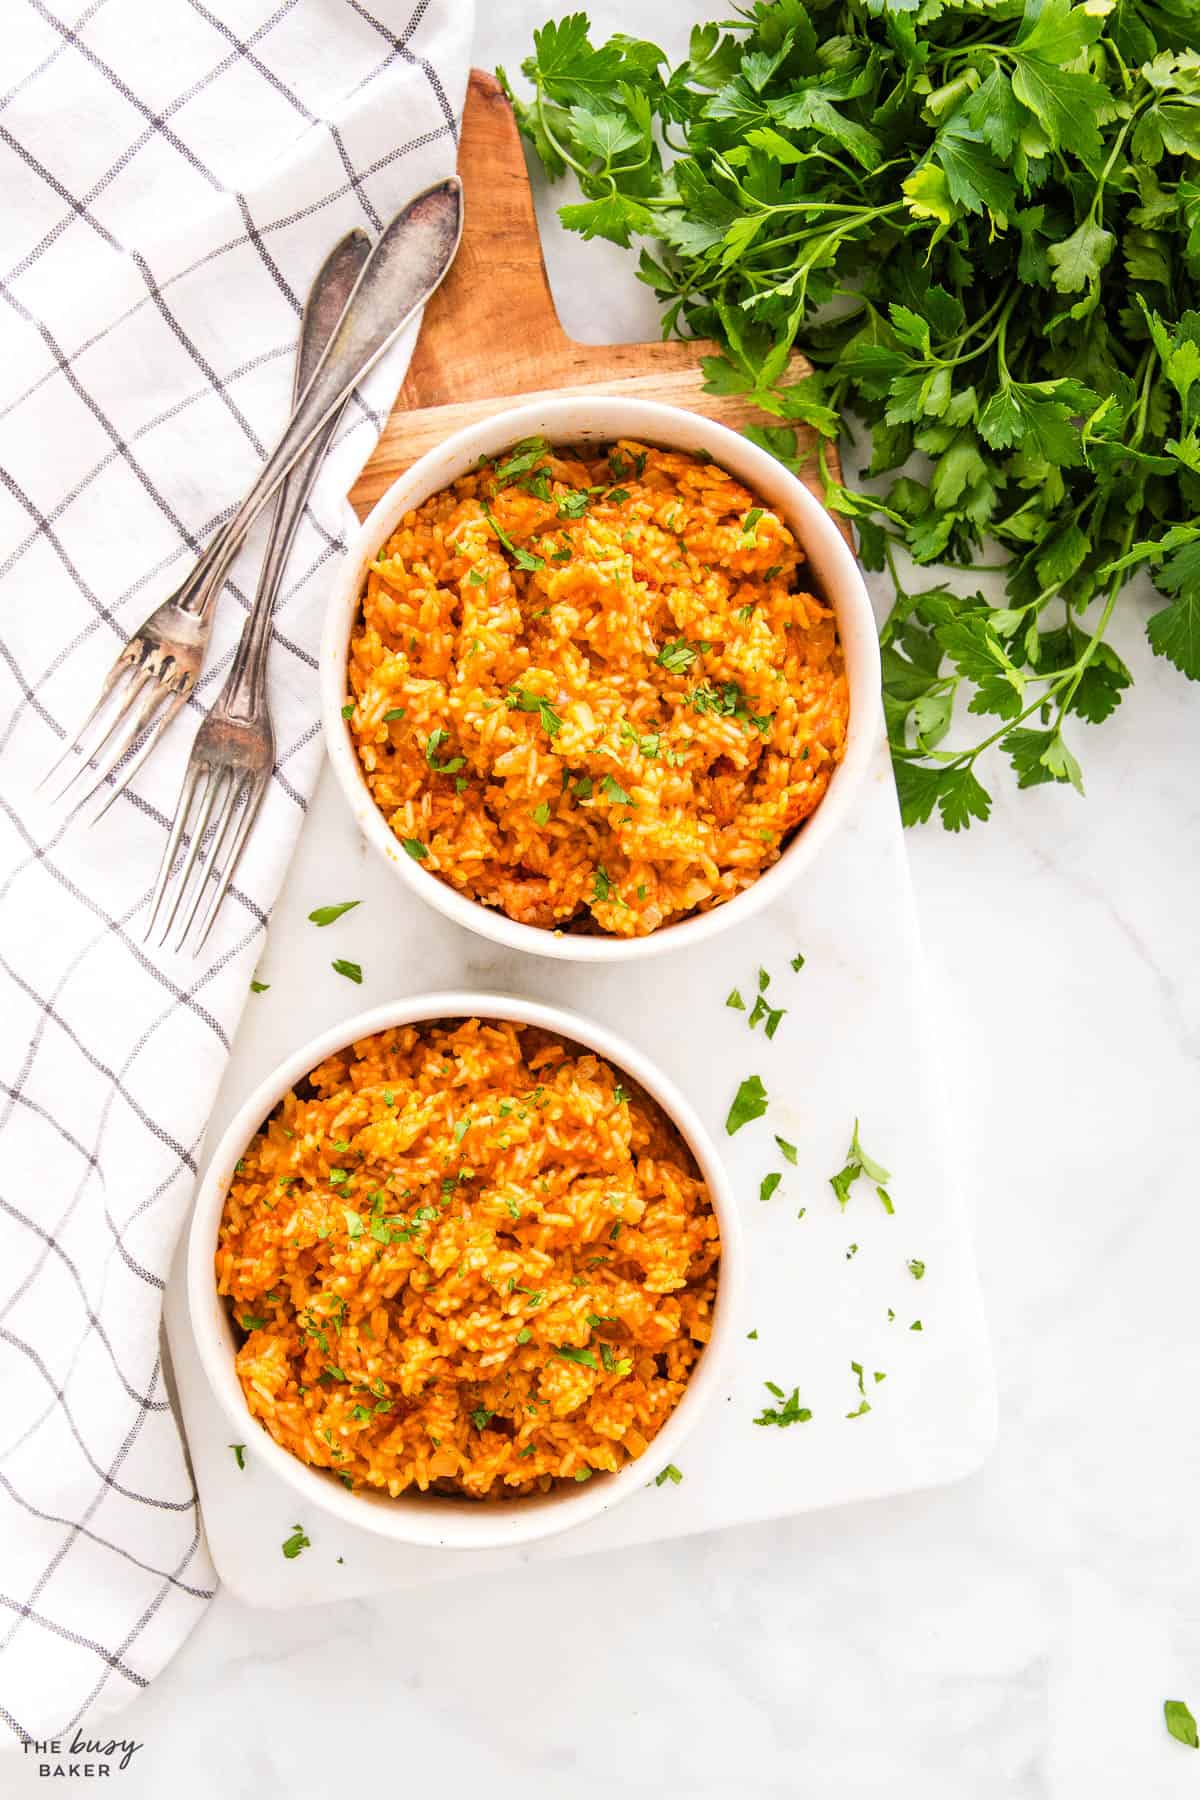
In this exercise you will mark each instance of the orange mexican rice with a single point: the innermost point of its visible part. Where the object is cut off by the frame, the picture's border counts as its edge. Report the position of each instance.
(467, 1257)
(591, 690)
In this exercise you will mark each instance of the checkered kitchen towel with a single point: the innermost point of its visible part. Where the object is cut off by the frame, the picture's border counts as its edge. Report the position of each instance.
(172, 175)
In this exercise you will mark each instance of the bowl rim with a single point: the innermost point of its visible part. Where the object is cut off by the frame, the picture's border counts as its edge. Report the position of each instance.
(422, 1520)
(565, 418)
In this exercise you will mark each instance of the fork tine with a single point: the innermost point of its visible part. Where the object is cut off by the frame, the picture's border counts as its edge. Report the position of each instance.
(76, 742)
(216, 780)
(231, 802)
(254, 800)
(128, 747)
(90, 758)
(183, 806)
(135, 762)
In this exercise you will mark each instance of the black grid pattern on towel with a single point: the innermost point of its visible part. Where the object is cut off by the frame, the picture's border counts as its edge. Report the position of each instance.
(102, 1563)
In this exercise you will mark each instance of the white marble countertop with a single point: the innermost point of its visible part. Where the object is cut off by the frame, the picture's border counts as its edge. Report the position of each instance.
(1012, 1637)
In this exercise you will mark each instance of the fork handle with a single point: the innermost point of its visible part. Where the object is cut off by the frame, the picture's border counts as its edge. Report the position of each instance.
(405, 267)
(325, 304)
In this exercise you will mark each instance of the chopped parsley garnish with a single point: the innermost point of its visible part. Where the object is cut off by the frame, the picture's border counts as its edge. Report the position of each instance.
(726, 702)
(582, 789)
(788, 1150)
(248, 1322)
(678, 655)
(752, 1334)
(603, 889)
(477, 578)
(524, 559)
(735, 1000)
(354, 1224)
(259, 987)
(864, 1405)
(670, 1473)
(768, 1184)
(525, 455)
(524, 1335)
(1180, 1723)
(916, 1325)
(790, 1413)
(584, 1474)
(325, 915)
(433, 744)
(750, 1102)
(763, 1010)
(481, 1417)
(298, 1541)
(517, 700)
(348, 710)
(393, 712)
(239, 1454)
(573, 504)
(857, 1163)
(916, 1268)
(612, 790)
(797, 962)
(620, 1095)
(351, 970)
(750, 523)
(415, 848)
(570, 1354)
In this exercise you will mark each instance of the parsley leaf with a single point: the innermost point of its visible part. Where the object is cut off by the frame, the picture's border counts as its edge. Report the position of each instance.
(982, 224)
(789, 1413)
(1180, 1723)
(325, 915)
(750, 1102)
(859, 1163)
(299, 1540)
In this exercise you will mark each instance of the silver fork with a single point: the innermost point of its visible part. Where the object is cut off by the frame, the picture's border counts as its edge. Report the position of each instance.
(157, 670)
(234, 750)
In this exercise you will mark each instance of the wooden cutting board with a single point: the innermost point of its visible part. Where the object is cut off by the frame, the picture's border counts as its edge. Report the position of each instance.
(491, 334)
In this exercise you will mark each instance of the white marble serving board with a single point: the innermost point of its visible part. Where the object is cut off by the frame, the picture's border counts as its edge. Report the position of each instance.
(854, 1042)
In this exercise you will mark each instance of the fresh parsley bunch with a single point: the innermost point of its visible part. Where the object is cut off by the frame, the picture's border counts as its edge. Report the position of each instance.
(981, 223)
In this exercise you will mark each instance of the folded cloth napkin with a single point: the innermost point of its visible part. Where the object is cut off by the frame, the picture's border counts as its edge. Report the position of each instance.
(173, 176)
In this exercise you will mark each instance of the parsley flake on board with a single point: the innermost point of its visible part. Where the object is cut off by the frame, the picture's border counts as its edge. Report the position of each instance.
(767, 1185)
(325, 915)
(750, 1102)
(980, 225)
(1178, 1719)
(787, 1150)
(789, 1413)
(351, 970)
(670, 1473)
(239, 1454)
(259, 987)
(859, 1163)
(735, 1001)
(298, 1541)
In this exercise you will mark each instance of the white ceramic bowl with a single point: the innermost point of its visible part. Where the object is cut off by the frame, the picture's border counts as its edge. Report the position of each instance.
(601, 419)
(449, 1524)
